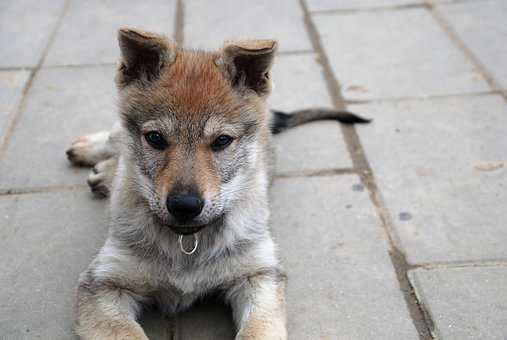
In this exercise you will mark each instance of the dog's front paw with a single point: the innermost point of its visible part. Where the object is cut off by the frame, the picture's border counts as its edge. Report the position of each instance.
(274, 335)
(100, 179)
(264, 329)
(89, 150)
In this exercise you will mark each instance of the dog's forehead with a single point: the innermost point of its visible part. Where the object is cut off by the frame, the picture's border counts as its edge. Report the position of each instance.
(193, 93)
(195, 86)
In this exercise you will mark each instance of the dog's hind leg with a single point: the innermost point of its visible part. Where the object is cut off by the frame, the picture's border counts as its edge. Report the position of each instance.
(90, 149)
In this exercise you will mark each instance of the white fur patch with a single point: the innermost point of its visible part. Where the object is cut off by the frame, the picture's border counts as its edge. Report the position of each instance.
(90, 149)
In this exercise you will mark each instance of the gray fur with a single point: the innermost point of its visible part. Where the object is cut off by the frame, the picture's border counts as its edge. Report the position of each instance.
(141, 262)
(142, 258)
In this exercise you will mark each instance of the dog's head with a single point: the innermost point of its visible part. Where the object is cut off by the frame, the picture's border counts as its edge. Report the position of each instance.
(195, 122)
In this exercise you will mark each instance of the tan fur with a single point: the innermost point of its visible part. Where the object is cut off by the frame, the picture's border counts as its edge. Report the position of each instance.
(195, 85)
(189, 98)
(194, 88)
(268, 322)
(207, 178)
(199, 172)
(95, 323)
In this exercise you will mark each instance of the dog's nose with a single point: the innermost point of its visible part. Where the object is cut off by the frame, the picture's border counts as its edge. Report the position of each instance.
(184, 207)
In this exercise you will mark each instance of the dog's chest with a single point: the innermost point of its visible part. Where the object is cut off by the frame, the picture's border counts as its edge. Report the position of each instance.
(176, 288)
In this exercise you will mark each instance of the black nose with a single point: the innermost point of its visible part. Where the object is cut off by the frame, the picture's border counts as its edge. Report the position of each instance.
(184, 207)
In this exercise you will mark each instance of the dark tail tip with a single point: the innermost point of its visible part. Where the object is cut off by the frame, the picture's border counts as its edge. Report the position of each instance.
(280, 122)
(351, 118)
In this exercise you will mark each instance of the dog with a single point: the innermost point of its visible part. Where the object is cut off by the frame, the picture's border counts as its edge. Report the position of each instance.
(187, 170)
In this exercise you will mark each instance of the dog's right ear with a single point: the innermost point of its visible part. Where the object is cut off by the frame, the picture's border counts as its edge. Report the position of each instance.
(143, 56)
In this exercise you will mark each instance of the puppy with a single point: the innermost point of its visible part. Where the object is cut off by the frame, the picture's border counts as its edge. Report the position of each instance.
(187, 171)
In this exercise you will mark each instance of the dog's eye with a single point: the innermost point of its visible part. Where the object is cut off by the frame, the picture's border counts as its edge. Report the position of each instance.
(156, 140)
(221, 142)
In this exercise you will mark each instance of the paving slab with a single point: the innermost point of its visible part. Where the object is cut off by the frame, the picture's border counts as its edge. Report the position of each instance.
(46, 241)
(158, 326)
(63, 104)
(329, 5)
(341, 281)
(441, 166)
(12, 84)
(209, 320)
(89, 29)
(209, 23)
(394, 54)
(299, 83)
(25, 29)
(481, 25)
(312, 147)
(464, 303)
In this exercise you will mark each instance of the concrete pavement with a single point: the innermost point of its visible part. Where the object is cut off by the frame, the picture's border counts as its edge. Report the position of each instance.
(395, 230)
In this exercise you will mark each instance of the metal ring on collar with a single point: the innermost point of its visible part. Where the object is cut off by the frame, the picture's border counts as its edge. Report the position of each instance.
(196, 244)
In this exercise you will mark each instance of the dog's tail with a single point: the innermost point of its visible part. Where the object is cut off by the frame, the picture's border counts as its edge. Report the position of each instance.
(283, 121)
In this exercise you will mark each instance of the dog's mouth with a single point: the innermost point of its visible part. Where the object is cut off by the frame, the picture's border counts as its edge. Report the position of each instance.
(189, 230)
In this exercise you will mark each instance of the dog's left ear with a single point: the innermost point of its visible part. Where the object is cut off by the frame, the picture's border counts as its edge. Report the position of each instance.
(248, 64)
(143, 56)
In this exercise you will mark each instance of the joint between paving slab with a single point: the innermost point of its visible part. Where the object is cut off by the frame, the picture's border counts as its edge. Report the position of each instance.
(426, 312)
(369, 9)
(39, 190)
(422, 98)
(461, 264)
(179, 22)
(14, 118)
(317, 173)
(17, 68)
(460, 44)
(458, 1)
(419, 315)
(295, 52)
(77, 66)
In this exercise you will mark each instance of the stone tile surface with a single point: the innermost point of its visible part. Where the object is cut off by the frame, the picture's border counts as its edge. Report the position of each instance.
(336, 256)
(393, 54)
(209, 23)
(63, 103)
(441, 167)
(312, 147)
(88, 31)
(464, 303)
(206, 321)
(440, 164)
(299, 84)
(12, 84)
(46, 241)
(326, 5)
(481, 25)
(158, 326)
(25, 29)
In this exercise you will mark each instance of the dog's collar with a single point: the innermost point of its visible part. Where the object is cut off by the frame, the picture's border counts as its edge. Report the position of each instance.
(182, 247)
